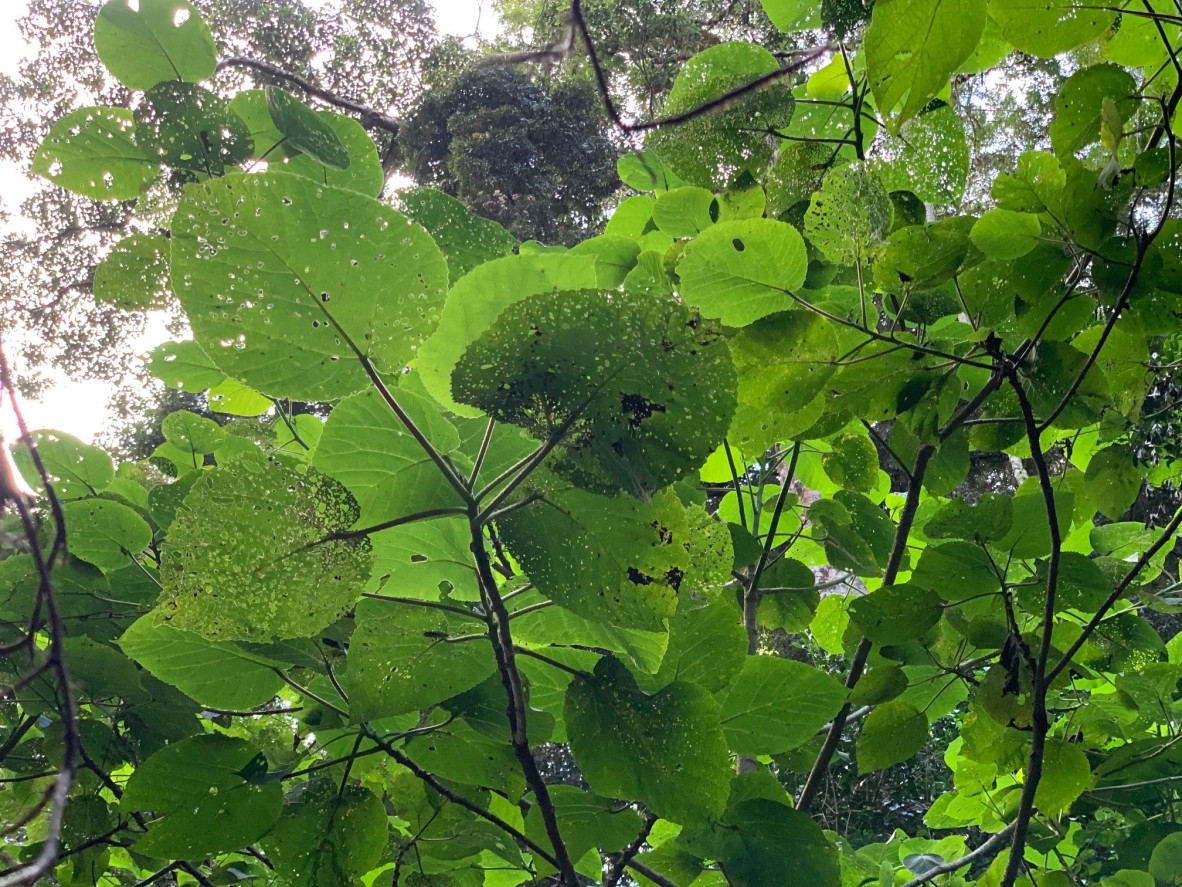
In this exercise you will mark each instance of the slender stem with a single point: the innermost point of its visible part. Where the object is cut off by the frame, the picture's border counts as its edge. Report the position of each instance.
(1040, 723)
(812, 783)
(620, 861)
(534, 654)
(1167, 535)
(445, 467)
(730, 460)
(417, 602)
(458, 799)
(988, 846)
(482, 452)
(501, 637)
(652, 874)
(304, 691)
(429, 514)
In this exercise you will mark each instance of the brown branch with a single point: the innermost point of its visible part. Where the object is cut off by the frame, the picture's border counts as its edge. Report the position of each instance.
(717, 104)
(375, 119)
(501, 637)
(1040, 723)
(906, 518)
(458, 799)
(990, 844)
(1167, 535)
(621, 860)
(57, 795)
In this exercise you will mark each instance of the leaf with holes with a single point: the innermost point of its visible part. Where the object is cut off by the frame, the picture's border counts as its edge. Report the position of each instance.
(642, 389)
(288, 305)
(92, 152)
(666, 750)
(743, 270)
(250, 554)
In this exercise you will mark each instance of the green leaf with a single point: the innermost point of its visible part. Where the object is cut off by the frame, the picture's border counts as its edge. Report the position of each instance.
(913, 46)
(635, 417)
(189, 431)
(105, 533)
(791, 15)
(666, 750)
(956, 571)
(185, 366)
(783, 362)
(466, 239)
(1002, 234)
(92, 152)
(684, 212)
(933, 160)
(249, 555)
(849, 215)
(328, 837)
(895, 614)
(1065, 774)
(856, 532)
(1079, 106)
(478, 298)
(232, 398)
(795, 174)
(75, 469)
(191, 130)
(134, 275)
(425, 560)
(891, 734)
(923, 256)
(852, 463)
(303, 129)
(1037, 183)
(615, 257)
(1113, 480)
(558, 626)
(776, 705)
(368, 449)
(1166, 861)
(743, 270)
(606, 558)
(988, 520)
(707, 646)
(790, 598)
(712, 149)
(400, 659)
(363, 173)
(1030, 534)
(1050, 27)
(646, 171)
(757, 838)
(221, 675)
(881, 683)
(279, 301)
(204, 803)
(154, 41)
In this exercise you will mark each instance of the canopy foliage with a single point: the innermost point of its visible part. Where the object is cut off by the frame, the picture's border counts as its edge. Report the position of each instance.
(615, 559)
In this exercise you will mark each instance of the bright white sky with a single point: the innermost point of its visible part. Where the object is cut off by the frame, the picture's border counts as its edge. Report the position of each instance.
(80, 408)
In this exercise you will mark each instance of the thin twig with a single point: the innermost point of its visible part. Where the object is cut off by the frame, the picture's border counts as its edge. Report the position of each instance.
(989, 845)
(816, 775)
(501, 637)
(374, 118)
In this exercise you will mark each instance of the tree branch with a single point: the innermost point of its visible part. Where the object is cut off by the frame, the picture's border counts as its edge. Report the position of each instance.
(501, 638)
(373, 118)
(906, 518)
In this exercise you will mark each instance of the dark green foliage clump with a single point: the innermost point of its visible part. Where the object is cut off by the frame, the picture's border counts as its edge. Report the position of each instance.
(536, 160)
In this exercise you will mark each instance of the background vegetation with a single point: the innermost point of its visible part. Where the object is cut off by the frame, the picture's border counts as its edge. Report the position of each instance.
(709, 443)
